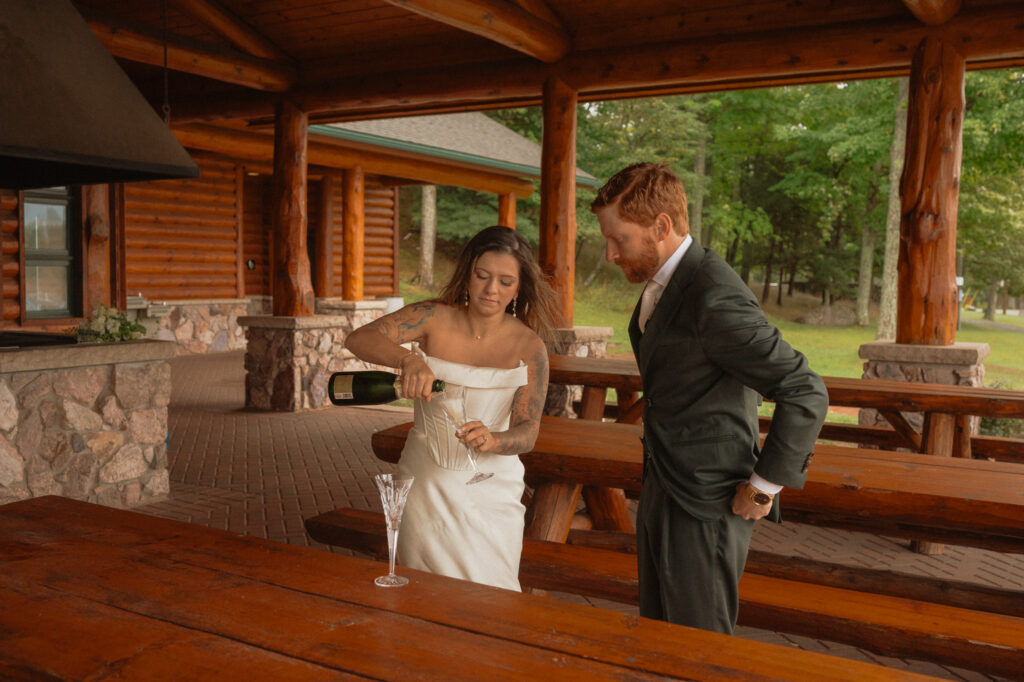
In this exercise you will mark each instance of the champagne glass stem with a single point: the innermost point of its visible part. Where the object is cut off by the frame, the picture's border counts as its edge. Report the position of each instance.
(392, 550)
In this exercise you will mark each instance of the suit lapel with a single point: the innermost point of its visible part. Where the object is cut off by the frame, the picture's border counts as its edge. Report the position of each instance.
(666, 308)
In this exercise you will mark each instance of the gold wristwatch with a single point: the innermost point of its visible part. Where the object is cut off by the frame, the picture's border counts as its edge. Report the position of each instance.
(759, 497)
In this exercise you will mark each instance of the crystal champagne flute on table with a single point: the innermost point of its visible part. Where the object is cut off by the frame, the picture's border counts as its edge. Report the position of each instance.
(394, 490)
(453, 402)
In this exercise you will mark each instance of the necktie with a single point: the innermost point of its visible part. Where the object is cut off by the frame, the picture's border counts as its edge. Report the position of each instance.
(649, 299)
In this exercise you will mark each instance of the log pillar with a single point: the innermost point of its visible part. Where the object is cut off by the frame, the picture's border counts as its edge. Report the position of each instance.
(929, 192)
(323, 254)
(98, 247)
(507, 210)
(292, 289)
(354, 234)
(927, 298)
(558, 193)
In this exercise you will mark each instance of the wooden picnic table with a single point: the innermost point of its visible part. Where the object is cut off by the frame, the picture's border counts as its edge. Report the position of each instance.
(946, 408)
(968, 502)
(91, 591)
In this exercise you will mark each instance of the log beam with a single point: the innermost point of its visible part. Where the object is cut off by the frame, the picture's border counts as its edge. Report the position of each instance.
(292, 289)
(927, 292)
(933, 12)
(257, 146)
(507, 210)
(557, 251)
(224, 22)
(502, 21)
(142, 44)
(354, 227)
(992, 37)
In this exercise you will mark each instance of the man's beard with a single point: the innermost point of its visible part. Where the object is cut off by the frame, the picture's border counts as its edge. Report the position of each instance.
(643, 267)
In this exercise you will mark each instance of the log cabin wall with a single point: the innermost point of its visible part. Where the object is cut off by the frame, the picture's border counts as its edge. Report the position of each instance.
(10, 269)
(381, 240)
(181, 235)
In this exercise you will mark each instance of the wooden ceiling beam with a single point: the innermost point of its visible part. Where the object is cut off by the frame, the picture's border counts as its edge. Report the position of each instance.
(933, 12)
(499, 20)
(256, 146)
(243, 36)
(989, 38)
(143, 44)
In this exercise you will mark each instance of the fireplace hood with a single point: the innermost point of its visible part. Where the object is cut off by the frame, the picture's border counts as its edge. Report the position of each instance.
(69, 114)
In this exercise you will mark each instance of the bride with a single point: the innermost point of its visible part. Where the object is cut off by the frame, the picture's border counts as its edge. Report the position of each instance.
(486, 331)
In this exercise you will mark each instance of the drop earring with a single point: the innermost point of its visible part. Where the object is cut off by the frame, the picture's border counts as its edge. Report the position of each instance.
(514, 306)
(467, 298)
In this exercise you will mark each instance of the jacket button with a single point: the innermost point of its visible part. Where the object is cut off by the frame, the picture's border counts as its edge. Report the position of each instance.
(648, 402)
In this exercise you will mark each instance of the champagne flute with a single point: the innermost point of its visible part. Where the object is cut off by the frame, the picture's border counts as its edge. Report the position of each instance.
(394, 490)
(453, 402)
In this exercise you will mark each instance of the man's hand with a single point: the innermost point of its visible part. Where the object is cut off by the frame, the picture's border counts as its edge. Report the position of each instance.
(744, 507)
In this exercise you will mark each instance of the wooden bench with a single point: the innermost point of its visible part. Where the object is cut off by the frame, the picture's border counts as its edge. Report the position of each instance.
(967, 502)
(886, 624)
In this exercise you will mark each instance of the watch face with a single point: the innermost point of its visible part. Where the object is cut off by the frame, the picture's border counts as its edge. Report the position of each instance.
(761, 498)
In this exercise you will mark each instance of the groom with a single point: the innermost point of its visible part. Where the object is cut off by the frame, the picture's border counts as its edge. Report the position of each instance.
(706, 355)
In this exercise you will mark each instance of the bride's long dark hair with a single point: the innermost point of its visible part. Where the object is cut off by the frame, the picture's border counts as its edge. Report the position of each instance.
(535, 303)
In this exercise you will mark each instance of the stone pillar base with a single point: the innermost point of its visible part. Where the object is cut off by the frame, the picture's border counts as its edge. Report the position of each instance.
(582, 342)
(288, 360)
(956, 365)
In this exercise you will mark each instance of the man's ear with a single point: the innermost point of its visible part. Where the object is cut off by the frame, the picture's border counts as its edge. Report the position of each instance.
(662, 226)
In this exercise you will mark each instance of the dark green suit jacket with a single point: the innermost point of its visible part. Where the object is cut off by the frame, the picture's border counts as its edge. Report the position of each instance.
(707, 356)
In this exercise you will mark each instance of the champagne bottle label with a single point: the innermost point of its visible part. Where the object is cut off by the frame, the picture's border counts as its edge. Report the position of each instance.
(342, 386)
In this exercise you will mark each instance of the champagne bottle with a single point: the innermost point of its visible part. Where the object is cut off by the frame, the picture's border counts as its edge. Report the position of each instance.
(368, 387)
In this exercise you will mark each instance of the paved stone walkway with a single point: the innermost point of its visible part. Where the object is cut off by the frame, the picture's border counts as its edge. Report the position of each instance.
(262, 474)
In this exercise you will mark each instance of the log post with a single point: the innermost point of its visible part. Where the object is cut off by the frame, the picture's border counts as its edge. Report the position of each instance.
(507, 210)
(97, 246)
(354, 234)
(323, 254)
(293, 290)
(558, 193)
(927, 293)
(929, 193)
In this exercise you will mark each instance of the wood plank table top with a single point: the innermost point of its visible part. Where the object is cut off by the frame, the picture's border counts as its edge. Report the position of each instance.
(91, 591)
(974, 502)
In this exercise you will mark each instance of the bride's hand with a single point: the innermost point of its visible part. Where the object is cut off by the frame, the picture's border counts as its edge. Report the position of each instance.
(417, 378)
(477, 436)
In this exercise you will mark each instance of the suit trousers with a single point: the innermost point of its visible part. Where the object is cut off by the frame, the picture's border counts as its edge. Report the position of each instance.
(689, 569)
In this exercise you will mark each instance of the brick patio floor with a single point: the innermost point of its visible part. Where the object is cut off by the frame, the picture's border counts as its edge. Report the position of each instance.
(262, 474)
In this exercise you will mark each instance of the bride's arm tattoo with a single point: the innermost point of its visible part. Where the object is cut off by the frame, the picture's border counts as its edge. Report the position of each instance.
(406, 324)
(527, 407)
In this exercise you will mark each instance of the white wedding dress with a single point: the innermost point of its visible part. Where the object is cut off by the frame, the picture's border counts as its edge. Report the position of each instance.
(473, 532)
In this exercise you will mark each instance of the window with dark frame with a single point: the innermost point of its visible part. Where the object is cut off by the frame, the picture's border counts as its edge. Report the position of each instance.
(50, 220)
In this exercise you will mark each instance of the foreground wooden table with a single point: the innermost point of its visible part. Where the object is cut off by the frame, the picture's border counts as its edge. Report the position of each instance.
(89, 592)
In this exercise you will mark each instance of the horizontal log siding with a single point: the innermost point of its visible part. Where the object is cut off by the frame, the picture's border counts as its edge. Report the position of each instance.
(10, 268)
(256, 234)
(379, 245)
(338, 230)
(181, 236)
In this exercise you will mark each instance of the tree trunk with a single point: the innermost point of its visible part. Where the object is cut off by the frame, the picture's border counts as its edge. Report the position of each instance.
(887, 308)
(778, 294)
(990, 301)
(768, 273)
(428, 236)
(699, 168)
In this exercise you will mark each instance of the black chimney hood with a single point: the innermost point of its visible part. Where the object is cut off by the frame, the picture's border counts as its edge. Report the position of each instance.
(69, 115)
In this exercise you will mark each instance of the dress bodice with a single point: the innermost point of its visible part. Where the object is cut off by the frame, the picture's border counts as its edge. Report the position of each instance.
(489, 395)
